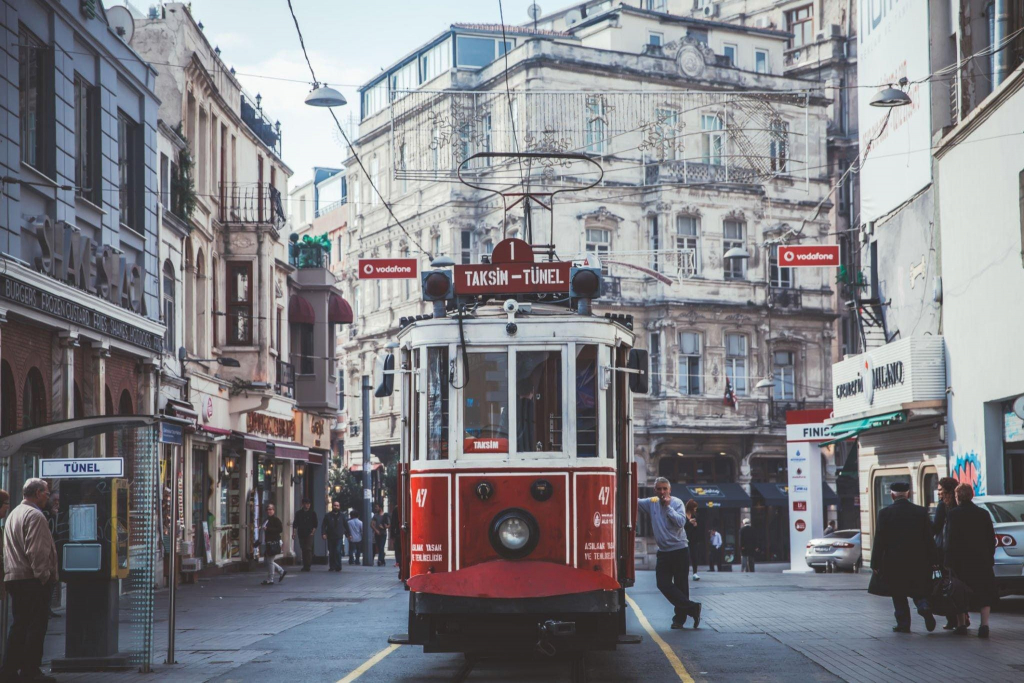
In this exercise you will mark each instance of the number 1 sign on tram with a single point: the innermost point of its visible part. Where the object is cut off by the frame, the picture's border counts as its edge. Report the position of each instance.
(513, 270)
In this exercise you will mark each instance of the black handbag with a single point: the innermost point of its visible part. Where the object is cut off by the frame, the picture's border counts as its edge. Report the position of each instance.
(273, 548)
(950, 596)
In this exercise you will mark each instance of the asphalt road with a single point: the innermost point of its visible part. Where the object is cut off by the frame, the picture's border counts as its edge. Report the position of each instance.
(350, 641)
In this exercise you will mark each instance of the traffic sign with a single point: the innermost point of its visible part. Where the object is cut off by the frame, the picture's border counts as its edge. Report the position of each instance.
(387, 268)
(80, 468)
(809, 256)
(513, 278)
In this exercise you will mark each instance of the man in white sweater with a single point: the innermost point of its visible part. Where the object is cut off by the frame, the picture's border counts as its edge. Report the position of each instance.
(30, 568)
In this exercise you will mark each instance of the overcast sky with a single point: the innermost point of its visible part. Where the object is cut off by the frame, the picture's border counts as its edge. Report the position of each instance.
(348, 42)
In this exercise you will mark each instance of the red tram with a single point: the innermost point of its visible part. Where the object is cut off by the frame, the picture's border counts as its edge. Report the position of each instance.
(517, 484)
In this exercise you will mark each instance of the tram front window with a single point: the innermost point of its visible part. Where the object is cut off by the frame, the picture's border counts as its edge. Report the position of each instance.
(485, 413)
(539, 401)
(586, 401)
(437, 403)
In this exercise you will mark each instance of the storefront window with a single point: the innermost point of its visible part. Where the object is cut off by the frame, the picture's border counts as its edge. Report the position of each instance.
(539, 395)
(881, 489)
(930, 491)
(586, 401)
(437, 403)
(485, 408)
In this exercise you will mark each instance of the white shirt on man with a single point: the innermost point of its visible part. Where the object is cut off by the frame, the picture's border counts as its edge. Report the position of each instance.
(716, 540)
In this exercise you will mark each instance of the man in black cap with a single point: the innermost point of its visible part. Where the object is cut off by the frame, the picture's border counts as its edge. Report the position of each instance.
(303, 527)
(902, 557)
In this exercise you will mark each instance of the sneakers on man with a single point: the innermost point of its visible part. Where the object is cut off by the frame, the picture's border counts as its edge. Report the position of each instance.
(696, 576)
(696, 615)
(677, 625)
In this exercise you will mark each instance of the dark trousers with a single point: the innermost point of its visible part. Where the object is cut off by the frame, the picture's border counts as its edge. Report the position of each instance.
(306, 545)
(30, 604)
(335, 551)
(355, 552)
(747, 564)
(694, 556)
(714, 559)
(671, 572)
(901, 608)
(379, 545)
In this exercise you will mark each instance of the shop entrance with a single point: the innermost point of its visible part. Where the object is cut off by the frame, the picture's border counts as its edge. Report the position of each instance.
(200, 495)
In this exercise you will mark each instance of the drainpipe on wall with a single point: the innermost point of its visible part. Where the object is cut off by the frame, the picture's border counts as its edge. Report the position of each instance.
(1000, 61)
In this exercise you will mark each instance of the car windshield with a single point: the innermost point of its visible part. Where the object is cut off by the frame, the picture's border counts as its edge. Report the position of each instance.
(1005, 511)
(844, 534)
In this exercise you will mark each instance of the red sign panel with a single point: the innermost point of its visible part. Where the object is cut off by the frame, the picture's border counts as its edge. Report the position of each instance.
(512, 251)
(430, 516)
(387, 268)
(488, 445)
(799, 506)
(810, 256)
(800, 525)
(595, 522)
(513, 278)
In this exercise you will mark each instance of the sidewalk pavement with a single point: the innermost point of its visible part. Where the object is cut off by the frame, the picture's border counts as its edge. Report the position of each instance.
(221, 620)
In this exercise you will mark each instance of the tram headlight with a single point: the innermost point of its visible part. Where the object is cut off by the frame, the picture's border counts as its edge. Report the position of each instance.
(514, 533)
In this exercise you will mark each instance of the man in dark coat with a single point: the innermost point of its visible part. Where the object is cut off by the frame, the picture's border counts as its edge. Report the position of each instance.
(303, 527)
(902, 556)
(747, 546)
(335, 530)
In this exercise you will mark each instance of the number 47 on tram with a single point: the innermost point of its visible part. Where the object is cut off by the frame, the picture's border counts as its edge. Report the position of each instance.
(517, 483)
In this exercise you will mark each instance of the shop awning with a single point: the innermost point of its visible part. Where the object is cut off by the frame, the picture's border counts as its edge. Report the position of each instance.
(42, 441)
(774, 495)
(287, 450)
(358, 467)
(339, 311)
(713, 495)
(300, 311)
(180, 409)
(215, 430)
(318, 456)
(849, 430)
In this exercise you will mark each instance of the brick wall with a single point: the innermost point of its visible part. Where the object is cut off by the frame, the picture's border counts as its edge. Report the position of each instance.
(122, 374)
(23, 347)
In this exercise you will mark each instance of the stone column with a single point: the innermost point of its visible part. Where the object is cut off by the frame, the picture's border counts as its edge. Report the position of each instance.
(63, 382)
(743, 479)
(95, 380)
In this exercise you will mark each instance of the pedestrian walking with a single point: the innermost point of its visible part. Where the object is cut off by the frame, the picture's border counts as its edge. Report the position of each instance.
(355, 541)
(940, 530)
(972, 549)
(830, 529)
(273, 528)
(303, 527)
(52, 513)
(715, 559)
(748, 546)
(693, 535)
(5, 507)
(379, 524)
(668, 521)
(30, 569)
(902, 556)
(335, 530)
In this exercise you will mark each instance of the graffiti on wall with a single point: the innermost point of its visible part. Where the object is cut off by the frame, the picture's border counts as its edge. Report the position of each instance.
(967, 470)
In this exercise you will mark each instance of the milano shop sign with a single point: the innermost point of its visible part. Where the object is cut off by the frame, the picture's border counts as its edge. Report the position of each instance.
(904, 371)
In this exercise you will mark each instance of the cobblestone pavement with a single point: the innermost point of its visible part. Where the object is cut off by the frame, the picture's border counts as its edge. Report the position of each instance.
(767, 626)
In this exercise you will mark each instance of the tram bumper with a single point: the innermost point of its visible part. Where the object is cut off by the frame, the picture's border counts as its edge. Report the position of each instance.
(546, 607)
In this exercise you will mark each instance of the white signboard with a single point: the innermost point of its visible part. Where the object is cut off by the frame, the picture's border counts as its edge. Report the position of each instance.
(892, 43)
(81, 468)
(803, 458)
(904, 371)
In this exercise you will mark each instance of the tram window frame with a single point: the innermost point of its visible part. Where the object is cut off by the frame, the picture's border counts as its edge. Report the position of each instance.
(439, 449)
(525, 449)
(580, 416)
(467, 384)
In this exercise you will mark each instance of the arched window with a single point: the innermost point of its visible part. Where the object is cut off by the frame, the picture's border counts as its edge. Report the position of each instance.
(9, 402)
(33, 404)
(124, 404)
(202, 306)
(169, 308)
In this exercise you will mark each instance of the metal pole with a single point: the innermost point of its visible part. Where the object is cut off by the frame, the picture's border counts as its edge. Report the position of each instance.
(174, 557)
(367, 479)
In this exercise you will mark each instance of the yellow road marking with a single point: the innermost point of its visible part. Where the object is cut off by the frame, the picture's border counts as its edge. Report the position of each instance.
(673, 659)
(369, 664)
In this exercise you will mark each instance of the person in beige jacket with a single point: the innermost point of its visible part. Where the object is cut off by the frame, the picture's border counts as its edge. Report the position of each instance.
(30, 567)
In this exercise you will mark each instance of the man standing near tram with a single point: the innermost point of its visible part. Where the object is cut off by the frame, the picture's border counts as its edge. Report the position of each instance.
(668, 520)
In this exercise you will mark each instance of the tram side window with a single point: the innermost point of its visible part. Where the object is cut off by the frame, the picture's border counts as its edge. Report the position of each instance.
(586, 401)
(539, 396)
(437, 403)
(485, 413)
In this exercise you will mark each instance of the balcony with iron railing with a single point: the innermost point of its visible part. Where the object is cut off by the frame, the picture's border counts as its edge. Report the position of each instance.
(308, 255)
(251, 203)
(258, 122)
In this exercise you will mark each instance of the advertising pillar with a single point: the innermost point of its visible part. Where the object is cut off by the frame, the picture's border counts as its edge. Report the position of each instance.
(805, 429)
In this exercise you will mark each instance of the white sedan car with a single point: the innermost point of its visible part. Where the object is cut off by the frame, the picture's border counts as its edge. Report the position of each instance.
(841, 550)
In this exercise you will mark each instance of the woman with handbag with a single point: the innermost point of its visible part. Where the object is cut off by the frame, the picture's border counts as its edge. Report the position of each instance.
(971, 557)
(273, 528)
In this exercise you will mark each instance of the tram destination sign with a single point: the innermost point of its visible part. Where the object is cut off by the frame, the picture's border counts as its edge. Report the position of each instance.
(513, 278)
(20, 293)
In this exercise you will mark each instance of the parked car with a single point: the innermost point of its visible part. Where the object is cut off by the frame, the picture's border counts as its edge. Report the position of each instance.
(841, 550)
(1008, 520)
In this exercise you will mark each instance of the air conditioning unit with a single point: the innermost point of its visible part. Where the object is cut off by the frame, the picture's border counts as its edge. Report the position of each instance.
(711, 11)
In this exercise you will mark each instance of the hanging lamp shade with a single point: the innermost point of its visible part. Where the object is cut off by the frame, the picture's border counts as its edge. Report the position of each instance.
(325, 96)
(890, 97)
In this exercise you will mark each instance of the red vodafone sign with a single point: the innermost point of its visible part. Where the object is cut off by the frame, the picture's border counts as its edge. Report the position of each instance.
(808, 256)
(387, 268)
(513, 270)
(800, 525)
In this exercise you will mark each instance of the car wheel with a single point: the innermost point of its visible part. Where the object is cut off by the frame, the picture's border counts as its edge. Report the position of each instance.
(819, 570)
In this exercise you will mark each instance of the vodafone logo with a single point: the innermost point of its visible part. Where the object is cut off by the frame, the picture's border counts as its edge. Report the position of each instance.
(387, 268)
(368, 269)
(826, 255)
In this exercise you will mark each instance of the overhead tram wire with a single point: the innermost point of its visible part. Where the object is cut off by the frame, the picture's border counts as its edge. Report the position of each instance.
(355, 155)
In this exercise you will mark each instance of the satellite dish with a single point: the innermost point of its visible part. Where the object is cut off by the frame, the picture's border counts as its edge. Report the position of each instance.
(121, 22)
(533, 11)
(572, 17)
(1018, 407)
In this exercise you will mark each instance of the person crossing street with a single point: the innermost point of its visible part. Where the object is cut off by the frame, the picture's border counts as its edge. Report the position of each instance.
(668, 521)
(335, 530)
